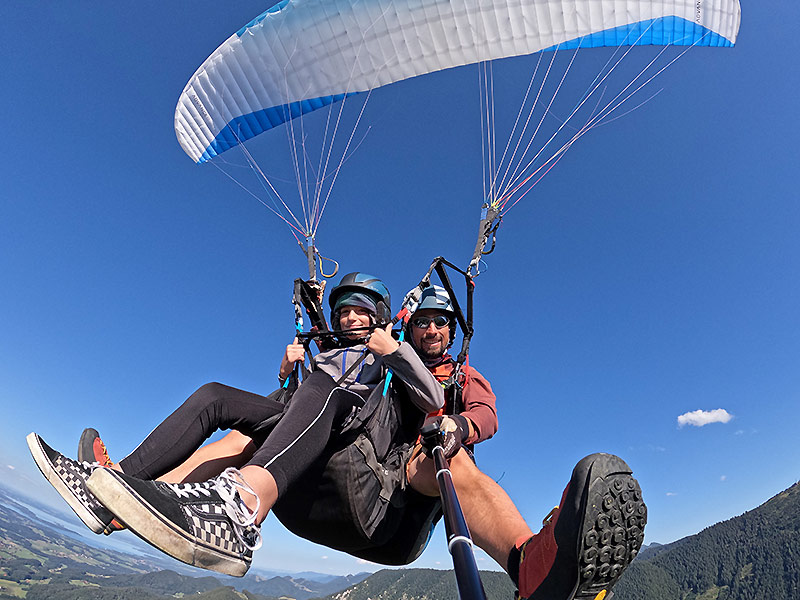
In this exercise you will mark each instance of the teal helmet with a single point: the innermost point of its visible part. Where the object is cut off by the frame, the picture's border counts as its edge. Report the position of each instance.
(361, 289)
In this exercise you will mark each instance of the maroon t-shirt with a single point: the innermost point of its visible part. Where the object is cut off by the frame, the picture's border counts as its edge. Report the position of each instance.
(477, 396)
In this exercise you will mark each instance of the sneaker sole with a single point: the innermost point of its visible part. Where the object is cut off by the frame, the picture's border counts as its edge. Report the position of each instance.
(147, 523)
(85, 452)
(612, 531)
(48, 470)
(115, 525)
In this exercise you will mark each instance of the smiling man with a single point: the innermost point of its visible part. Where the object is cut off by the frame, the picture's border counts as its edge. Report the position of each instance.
(431, 331)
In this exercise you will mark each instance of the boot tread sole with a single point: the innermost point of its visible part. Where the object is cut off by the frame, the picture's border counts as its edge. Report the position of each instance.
(612, 532)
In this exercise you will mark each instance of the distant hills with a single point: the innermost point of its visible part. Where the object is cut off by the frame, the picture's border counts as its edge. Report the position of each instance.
(40, 559)
(753, 556)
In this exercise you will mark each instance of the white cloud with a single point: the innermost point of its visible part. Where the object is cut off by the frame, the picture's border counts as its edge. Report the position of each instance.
(12, 467)
(723, 477)
(671, 494)
(698, 418)
(324, 557)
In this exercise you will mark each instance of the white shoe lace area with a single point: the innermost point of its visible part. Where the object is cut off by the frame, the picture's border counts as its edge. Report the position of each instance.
(184, 490)
(229, 485)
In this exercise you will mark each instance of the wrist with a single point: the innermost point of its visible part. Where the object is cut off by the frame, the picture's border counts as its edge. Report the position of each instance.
(392, 348)
(463, 425)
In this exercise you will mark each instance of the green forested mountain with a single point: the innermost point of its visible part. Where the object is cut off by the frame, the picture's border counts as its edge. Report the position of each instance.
(753, 556)
(422, 584)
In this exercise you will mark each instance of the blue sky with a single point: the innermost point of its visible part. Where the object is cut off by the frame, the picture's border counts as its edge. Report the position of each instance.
(652, 273)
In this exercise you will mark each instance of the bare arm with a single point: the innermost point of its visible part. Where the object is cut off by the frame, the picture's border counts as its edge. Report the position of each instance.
(295, 353)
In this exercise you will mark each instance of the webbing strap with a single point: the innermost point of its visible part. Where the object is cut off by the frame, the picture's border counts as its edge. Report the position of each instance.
(308, 294)
(352, 367)
(465, 322)
(298, 309)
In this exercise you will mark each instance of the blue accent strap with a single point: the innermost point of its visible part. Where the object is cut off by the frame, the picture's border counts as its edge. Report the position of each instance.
(389, 374)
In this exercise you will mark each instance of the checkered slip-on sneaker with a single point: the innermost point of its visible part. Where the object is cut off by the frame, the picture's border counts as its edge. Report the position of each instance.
(202, 524)
(590, 538)
(69, 477)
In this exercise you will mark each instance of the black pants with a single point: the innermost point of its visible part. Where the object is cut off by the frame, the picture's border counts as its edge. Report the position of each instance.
(317, 411)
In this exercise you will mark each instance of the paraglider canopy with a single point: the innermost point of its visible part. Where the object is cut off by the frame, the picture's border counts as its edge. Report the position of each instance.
(301, 55)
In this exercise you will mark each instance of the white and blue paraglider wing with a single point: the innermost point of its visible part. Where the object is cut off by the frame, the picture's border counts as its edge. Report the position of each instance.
(301, 55)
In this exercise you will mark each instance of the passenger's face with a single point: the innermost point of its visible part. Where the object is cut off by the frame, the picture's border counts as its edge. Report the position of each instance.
(430, 341)
(352, 317)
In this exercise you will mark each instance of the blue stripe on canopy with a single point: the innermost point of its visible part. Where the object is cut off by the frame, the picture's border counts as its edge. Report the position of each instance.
(250, 125)
(664, 31)
(659, 32)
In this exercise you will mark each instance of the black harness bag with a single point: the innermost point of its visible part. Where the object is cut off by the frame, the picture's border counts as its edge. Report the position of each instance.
(355, 497)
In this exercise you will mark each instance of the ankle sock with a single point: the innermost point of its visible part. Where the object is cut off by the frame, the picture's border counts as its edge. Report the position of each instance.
(512, 566)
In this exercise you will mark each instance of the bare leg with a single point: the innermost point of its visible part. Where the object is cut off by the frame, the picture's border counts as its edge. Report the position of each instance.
(264, 486)
(234, 450)
(493, 520)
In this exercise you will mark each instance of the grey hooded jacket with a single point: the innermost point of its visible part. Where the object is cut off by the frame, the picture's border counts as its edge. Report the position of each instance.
(424, 391)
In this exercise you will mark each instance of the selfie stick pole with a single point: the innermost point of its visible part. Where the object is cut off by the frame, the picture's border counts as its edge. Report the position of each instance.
(459, 542)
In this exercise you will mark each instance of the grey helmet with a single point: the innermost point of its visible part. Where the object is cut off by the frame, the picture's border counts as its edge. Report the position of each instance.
(436, 298)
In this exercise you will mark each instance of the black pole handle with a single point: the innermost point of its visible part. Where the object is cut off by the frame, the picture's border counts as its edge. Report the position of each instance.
(459, 542)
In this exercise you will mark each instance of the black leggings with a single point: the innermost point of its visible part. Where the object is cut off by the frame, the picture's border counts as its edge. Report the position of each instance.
(213, 406)
(317, 411)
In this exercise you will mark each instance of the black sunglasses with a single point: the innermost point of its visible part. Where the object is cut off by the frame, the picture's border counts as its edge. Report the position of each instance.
(423, 322)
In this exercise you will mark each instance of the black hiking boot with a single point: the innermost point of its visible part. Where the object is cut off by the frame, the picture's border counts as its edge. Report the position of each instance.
(202, 524)
(69, 478)
(590, 538)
